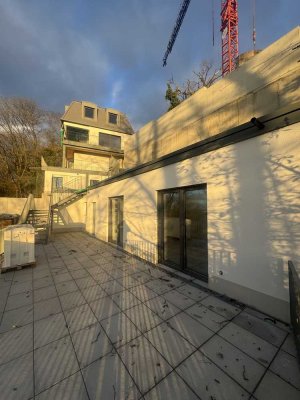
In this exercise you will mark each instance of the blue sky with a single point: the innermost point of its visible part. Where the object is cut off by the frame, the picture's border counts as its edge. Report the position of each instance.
(110, 51)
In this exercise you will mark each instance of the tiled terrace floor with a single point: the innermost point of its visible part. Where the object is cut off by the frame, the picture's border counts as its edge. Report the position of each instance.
(89, 322)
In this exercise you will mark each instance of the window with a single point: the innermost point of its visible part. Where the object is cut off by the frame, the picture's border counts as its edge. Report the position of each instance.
(89, 112)
(57, 183)
(112, 118)
(93, 182)
(111, 141)
(77, 134)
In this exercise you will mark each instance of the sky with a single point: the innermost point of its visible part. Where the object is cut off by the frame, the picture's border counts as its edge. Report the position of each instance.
(110, 51)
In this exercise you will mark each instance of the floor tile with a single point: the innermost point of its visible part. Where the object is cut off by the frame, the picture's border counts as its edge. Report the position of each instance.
(190, 329)
(128, 281)
(107, 378)
(112, 287)
(268, 319)
(64, 277)
(274, 388)
(44, 293)
(144, 363)
(193, 292)
(93, 293)
(287, 367)
(90, 344)
(142, 277)
(85, 282)
(143, 318)
(49, 329)
(66, 287)
(46, 308)
(125, 300)
(258, 327)
(42, 282)
(54, 362)
(143, 293)
(221, 307)
(207, 317)
(15, 343)
(238, 365)
(208, 381)
(170, 344)
(159, 286)
(79, 273)
(79, 317)
(102, 278)
(254, 346)
(20, 287)
(163, 308)
(172, 387)
(120, 329)
(104, 308)
(289, 345)
(16, 379)
(179, 300)
(71, 300)
(16, 318)
(71, 388)
(18, 300)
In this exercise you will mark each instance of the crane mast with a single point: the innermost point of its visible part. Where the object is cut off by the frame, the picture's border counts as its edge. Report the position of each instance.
(230, 39)
(229, 30)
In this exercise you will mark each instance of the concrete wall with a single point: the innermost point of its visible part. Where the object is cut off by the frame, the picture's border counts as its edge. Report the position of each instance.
(268, 81)
(10, 205)
(253, 214)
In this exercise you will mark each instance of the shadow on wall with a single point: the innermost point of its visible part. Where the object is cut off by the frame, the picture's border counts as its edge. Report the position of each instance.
(253, 205)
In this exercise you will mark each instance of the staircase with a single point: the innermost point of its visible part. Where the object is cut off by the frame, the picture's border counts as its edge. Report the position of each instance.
(39, 220)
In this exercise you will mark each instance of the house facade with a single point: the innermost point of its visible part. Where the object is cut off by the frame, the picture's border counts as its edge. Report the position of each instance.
(212, 187)
(93, 140)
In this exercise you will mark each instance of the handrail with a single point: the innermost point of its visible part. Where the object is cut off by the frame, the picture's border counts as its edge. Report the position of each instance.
(294, 286)
(29, 205)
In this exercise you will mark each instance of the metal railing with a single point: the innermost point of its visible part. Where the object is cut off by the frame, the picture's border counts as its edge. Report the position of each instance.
(294, 286)
(68, 188)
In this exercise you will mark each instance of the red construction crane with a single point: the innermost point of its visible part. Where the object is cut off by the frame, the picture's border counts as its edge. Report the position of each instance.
(229, 29)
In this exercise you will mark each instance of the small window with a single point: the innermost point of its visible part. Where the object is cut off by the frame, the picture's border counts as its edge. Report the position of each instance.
(57, 183)
(111, 141)
(112, 118)
(94, 182)
(89, 112)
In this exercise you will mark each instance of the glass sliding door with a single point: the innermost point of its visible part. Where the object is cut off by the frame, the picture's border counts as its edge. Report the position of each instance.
(196, 231)
(171, 227)
(183, 229)
(115, 228)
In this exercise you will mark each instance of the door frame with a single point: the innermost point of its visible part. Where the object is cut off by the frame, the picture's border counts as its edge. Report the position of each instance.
(121, 225)
(160, 229)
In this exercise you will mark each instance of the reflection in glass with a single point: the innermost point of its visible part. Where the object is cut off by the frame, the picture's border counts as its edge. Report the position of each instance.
(196, 230)
(171, 227)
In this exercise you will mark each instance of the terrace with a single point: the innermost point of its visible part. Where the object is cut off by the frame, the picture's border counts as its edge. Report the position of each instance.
(91, 322)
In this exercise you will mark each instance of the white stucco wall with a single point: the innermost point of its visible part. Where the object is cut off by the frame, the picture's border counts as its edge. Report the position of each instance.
(253, 212)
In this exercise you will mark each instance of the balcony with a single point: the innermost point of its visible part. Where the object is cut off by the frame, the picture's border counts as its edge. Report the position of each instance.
(89, 321)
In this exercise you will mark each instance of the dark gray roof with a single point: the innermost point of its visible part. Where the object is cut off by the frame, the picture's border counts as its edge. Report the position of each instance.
(74, 114)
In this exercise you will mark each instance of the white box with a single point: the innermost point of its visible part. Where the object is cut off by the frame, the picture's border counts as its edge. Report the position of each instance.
(18, 246)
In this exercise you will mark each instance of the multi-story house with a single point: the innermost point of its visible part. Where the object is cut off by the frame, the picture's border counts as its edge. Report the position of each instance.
(93, 141)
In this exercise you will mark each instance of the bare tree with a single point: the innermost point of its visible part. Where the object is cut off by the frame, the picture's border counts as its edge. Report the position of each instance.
(205, 77)
(22, 140)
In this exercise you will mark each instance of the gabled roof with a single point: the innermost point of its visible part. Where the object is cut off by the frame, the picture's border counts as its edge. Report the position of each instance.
(74, 114)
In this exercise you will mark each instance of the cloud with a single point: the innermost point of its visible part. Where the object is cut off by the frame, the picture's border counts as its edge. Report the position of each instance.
(110, 52)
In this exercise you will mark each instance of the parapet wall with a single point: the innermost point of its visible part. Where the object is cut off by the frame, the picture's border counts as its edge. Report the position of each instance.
(268, 81)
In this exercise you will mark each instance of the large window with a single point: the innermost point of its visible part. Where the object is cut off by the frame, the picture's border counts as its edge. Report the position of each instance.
(77, 134)
(89, 112)
(111, 141)
(112, 118)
